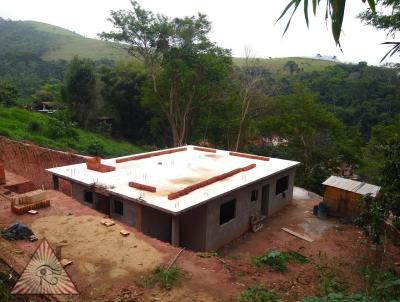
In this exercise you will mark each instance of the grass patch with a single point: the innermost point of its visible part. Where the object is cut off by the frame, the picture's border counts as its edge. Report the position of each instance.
(20, 124)
(258, 293)
(330, 280)
(277, 259)
(166, 278)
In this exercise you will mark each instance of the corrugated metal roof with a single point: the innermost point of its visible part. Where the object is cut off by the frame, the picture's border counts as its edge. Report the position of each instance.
(352, 185)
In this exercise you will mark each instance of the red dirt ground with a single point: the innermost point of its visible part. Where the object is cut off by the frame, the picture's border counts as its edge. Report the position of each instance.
(106, 265)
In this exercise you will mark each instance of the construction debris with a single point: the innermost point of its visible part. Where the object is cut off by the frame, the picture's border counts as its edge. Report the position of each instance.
(107, 222)
(17, 231)
(65, 262)
(306, 238)
(124, 233)
(33, 238)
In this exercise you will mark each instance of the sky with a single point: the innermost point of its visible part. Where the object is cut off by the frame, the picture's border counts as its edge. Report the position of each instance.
(236, 24)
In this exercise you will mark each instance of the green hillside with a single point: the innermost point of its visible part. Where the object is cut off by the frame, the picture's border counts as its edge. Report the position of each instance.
(21, 124)
(53, 43)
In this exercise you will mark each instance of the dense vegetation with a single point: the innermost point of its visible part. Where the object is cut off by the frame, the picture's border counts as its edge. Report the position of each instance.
(56, 132)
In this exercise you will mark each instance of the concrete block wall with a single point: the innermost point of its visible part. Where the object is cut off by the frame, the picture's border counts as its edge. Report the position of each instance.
(130, 210)
(193, 227)
(218, 235)
(78, 193)
(278, 201)
(156, 224)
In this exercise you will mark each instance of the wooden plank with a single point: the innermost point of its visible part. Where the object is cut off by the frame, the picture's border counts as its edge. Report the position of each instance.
(306, 238)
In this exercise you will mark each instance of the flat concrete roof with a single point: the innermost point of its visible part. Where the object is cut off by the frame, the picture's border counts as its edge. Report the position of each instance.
(173, 172)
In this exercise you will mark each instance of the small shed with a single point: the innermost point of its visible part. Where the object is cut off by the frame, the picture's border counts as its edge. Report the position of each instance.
(342, 195)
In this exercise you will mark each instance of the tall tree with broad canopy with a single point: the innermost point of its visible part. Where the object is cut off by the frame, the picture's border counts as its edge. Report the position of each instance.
(185, 67)
(79, 89)
(8, 94)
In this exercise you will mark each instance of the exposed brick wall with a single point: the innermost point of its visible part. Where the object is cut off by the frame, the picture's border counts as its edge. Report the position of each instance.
(30, 161)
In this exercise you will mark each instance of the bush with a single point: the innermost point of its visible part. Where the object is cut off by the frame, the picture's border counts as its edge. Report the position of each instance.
(34, 126)
(95, 148)
(258, 294)
(166, 278)
(56, 129)
(277, 259)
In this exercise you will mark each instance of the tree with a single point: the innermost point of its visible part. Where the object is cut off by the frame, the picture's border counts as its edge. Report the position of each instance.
(248, 78)
(185, 67)
(79, 89)
(315, 137)
(8, 94)
(122, 93)
(376, 211)
(291, 66)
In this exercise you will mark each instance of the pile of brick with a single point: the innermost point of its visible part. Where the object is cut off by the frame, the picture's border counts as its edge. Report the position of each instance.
(94, 163)
(209, 181)
(33, 200)
(148, 155)
(2, 174)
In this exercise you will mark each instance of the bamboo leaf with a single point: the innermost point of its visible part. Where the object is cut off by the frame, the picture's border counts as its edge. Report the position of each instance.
(290, 19)
(306, 12)
(392, 51)
(338, 8)
(286, 9)
(372, 5)
(314, 6)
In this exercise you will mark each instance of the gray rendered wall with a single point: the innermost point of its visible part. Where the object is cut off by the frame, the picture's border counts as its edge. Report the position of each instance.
(218, 235)
(156, 224)
(277, 202)
(130, 211)
(77, 192)
(193, 228)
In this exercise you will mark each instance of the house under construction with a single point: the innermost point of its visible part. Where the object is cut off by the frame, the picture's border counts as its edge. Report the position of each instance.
(196, 197)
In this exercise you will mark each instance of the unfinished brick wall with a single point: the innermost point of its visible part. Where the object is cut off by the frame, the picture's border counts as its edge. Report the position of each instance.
(30, 161)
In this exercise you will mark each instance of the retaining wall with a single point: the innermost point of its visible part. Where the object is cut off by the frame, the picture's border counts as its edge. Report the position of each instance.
(30, 161)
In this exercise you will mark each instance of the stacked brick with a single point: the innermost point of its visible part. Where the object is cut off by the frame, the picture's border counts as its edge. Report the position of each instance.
(251, 156)
(143, 187)
(209, 181)
(148, 155)
(94, 163)
(205, 149)
(29, 201)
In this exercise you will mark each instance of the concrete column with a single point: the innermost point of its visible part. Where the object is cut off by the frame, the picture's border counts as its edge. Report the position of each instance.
(55, 182)
(175, 231)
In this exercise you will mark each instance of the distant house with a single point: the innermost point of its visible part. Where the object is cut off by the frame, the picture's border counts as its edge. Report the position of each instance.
(46, 107)
(342, 195)
(195, 197)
